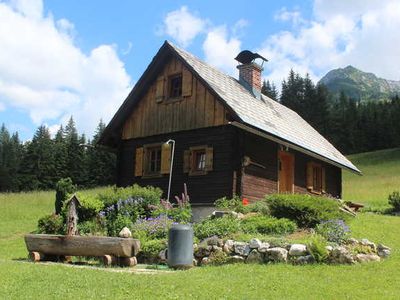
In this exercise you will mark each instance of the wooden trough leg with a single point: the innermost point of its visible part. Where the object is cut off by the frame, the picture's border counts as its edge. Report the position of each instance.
(35, 256)
(128, 261)
(109, 260)
(66, 259)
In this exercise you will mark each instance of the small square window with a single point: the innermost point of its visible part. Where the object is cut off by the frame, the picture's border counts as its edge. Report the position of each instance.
(198, 160)
(315, 178)
(175, 86)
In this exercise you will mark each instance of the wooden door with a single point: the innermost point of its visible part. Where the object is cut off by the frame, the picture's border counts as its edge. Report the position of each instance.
(285, 172)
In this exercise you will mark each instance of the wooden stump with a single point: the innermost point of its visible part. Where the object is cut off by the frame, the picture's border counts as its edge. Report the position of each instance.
(35, 256)
(128, 261)
(109, 260)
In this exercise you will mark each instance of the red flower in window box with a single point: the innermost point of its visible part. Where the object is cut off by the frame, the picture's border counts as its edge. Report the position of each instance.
(245, 201)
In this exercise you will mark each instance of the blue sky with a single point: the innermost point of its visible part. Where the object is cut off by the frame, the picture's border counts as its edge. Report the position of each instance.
(81, 58)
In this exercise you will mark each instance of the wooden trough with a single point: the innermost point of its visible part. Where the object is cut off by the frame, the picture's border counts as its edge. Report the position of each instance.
(113, 250)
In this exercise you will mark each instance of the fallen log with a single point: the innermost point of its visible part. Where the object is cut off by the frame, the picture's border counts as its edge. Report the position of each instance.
(81, 245)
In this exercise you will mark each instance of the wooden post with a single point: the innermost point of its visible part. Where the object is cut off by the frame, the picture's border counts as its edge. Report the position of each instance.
(72, 217)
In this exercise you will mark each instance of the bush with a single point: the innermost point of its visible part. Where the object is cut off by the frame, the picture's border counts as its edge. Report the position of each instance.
(51, 224)
(394, 200)
(150, 249)
(335, 231)
(218, 258)
(64, 188)
(268, 225)
(152, 228)
(92, 227)
(259, 207)
(235, 204)
(305, 210)
(89, 208)
(180, 212)
(220, 227)
(115, 225)
(150, 195)
(317, 248)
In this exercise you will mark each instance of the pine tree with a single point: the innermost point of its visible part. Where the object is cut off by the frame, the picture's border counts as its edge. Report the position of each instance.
(74, 158)
(269, 90)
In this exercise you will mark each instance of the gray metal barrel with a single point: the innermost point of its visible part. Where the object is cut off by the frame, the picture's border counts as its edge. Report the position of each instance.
(180, 246)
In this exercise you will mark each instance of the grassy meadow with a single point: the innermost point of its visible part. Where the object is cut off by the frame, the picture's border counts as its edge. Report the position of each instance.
(23, 280)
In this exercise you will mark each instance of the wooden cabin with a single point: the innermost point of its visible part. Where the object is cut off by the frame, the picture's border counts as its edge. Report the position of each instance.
(230, 139)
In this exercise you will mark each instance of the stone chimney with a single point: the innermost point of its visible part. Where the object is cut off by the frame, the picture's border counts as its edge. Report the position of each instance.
(250, 71)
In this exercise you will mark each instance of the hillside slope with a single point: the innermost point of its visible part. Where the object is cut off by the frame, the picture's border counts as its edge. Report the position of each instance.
(381, 176)
(360, 85)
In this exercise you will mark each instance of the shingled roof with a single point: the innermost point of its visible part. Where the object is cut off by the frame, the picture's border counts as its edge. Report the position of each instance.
(265, 115)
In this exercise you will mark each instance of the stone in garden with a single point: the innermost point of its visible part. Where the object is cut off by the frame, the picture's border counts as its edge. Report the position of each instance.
(298, 250)
(329, 248)
(366, 242)
(254, 257)
(205, 261)
(240, 216)
(277, 254)
(202, 251)
(383, 251)
(383, 247)
(234, 214)
(195, 262)
(352, 241)
(163, 255)
(236, 259)
(255, 243)
(362, 258)
(228, 246)
(340, 255)
(216, 248)
(263, 248)
(304, 260)
(125, 233)
(213, 240)
(241, 248)
(219, 213)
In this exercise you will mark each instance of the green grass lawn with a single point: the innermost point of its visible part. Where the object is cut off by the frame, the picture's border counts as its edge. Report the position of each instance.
(22, 280)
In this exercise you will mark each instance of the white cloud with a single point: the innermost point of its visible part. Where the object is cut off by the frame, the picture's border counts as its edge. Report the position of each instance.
(2, 107)
(220, 50)
(361, 33)
(183, 26)
(286, 15)
(43, 73)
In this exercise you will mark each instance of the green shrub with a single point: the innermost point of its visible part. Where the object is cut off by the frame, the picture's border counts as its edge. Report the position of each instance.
(235, 204)
(115, 225)
(259, 206)
(394, 200)
(268, 225)
(92, 227)
(180, 212)
(64, 188)
(150, 249)
(218, 258)
(335, 231)
(51, 224)
(317, 248)
(219, 226)
(305, 210)
(89, 208)
(150, 195)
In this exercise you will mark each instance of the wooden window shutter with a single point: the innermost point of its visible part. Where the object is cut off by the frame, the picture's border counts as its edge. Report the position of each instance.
(209, 159)
(139, 162)
(165, 158)
(310, 179)
(160, 89)
(323, 189)
(186, 83)
(186, 161)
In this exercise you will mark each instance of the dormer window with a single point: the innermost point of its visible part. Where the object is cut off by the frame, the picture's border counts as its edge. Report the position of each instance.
(175, 86)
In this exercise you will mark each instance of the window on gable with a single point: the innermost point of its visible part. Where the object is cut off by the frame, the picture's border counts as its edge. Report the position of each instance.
(315, 178)
(198, 160)
(175, 86)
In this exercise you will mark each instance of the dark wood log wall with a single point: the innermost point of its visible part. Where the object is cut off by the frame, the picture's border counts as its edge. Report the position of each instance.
(202, 189)
(257, 181)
